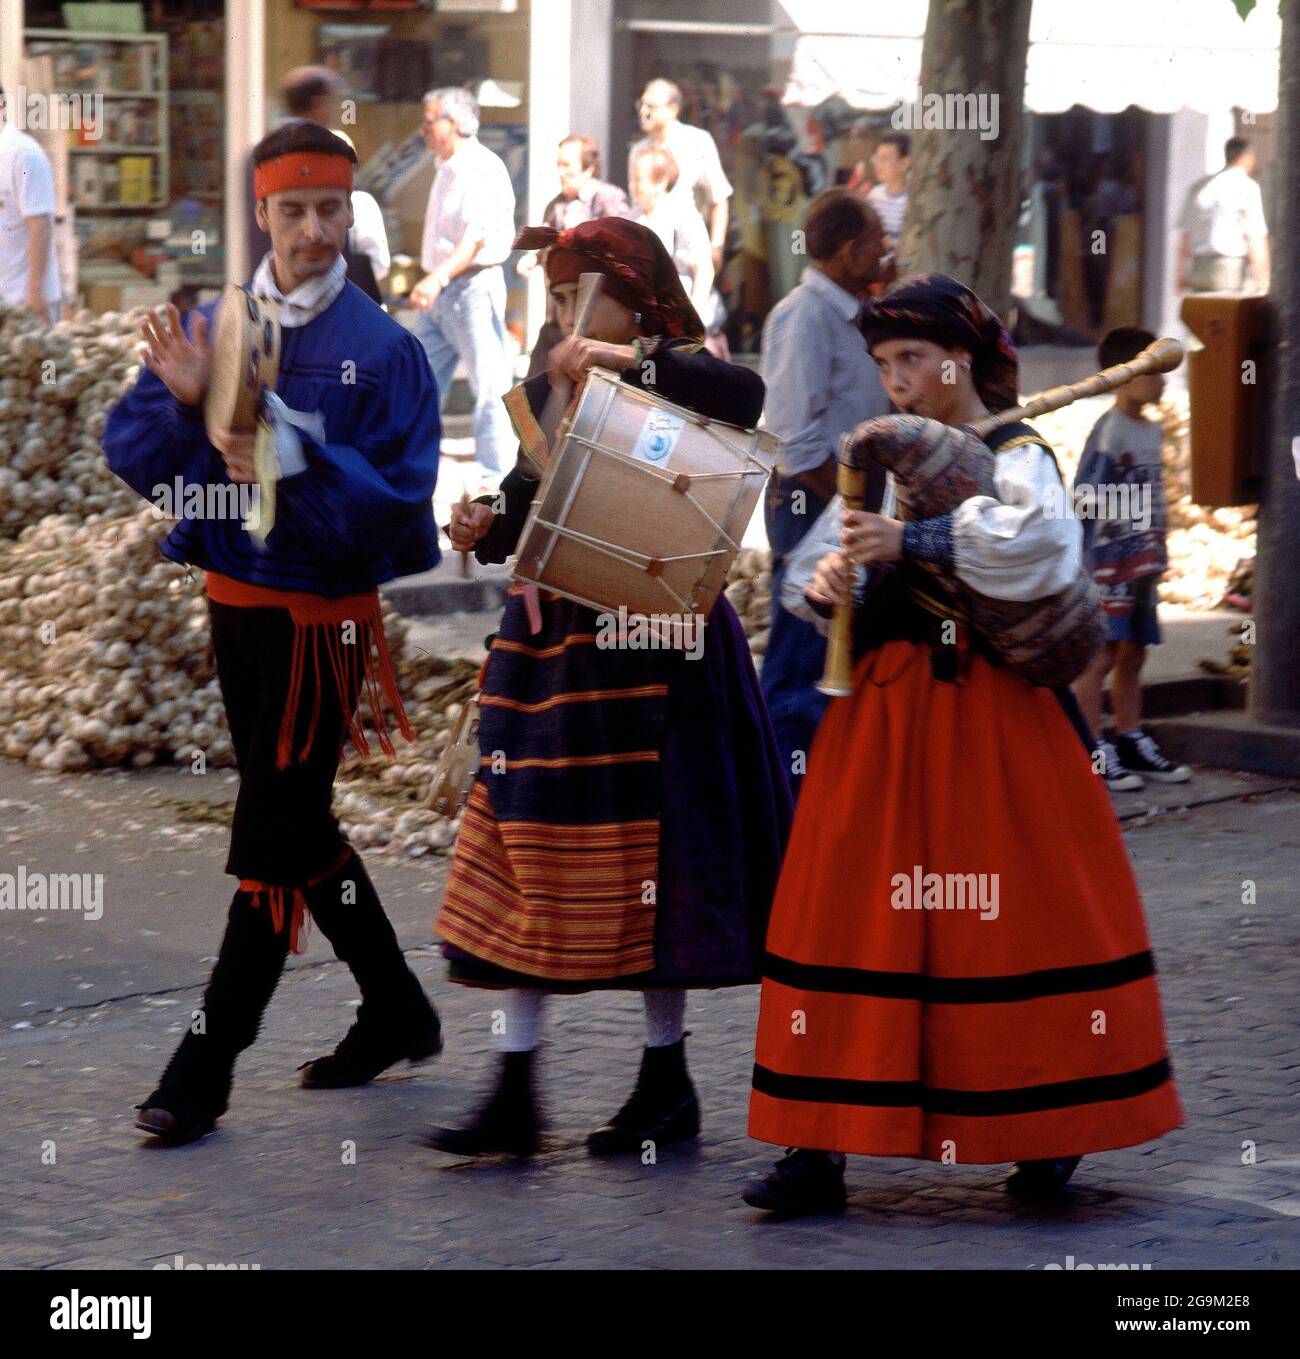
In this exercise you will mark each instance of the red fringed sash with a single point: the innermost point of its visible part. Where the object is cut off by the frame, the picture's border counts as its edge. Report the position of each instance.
(315, 618)
(299, 915)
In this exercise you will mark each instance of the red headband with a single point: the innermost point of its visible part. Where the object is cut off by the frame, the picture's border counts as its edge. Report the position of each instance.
(302, 170)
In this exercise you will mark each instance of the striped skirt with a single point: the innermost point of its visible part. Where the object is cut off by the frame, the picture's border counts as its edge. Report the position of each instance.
(628, 820)
(957, 963)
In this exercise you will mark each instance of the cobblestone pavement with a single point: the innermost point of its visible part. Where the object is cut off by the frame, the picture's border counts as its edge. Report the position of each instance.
(323, 1179)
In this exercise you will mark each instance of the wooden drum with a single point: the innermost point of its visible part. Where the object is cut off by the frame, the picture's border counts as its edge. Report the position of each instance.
(644, 503)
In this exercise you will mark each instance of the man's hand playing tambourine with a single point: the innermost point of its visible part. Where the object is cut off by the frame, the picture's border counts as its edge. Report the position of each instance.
(237, 453)
(184, 366)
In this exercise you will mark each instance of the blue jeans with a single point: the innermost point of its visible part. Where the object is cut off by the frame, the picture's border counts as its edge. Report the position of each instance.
(467, 322)
(796, 651)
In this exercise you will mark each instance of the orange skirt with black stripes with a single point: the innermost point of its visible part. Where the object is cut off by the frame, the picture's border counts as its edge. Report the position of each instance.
(957, 966)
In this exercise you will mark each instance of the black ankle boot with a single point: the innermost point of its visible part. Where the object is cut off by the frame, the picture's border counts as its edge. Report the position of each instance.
(395, 1020)
(508, 1124)
(662, 1107)
(1041, 1181)
(195, 1087)
(370, 1047)
(800, 1183)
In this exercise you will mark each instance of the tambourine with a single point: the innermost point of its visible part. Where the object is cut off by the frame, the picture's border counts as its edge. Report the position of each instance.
(245, 350)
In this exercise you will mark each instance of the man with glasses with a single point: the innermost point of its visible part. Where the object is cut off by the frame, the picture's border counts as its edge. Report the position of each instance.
(469, 228)
(700, 174)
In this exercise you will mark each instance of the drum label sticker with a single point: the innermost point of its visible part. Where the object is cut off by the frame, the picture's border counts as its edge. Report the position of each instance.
(658, 437)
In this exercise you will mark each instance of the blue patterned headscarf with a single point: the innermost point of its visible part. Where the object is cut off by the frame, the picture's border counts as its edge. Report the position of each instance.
(938, 308)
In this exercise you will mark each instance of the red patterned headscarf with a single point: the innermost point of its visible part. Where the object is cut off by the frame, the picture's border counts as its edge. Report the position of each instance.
(936, 307)
(639, 272)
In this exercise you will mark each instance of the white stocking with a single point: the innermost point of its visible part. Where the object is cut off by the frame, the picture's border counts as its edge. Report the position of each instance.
(665, 1013)
(522, 1007)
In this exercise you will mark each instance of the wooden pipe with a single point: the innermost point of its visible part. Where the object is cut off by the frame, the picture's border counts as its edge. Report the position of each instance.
(837, 676)
(1158, 357)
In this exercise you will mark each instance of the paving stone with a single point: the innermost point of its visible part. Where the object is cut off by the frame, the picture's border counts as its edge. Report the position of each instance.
(271, 1187)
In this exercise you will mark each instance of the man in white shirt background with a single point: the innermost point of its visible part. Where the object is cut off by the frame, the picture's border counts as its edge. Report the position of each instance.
(700, 176)
(469, 229)
(29, 270)
(1224, 242)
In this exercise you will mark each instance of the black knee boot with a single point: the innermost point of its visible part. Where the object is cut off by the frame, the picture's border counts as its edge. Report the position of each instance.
(395, 1019)
(195, 1087)
(508, 1124)
(662, 1108)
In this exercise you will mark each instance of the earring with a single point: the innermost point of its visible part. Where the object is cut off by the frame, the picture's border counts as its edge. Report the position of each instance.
(636, 317)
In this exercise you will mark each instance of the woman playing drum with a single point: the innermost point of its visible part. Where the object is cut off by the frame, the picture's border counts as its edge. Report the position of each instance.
(626, 827)
(957, 965)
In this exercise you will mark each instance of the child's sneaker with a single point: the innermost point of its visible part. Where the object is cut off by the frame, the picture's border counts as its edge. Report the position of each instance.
(1118, 779)
(1140, 755)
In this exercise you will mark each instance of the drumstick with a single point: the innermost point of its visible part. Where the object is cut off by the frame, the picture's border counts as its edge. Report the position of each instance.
(465, 503)
(562, 388)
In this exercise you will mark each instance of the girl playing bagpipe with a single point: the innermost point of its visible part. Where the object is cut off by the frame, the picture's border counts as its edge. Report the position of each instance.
(957, 964)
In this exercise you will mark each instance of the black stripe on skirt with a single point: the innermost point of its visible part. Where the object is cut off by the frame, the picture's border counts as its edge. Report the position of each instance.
(1055, 981)
(963, 1103)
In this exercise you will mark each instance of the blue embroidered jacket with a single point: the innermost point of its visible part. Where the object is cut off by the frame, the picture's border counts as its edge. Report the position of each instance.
(361, 512)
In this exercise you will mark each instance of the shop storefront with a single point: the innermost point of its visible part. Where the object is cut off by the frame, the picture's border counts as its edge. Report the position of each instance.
(129, 102)
(1128, 105)
(157, 103)
(1127, 108)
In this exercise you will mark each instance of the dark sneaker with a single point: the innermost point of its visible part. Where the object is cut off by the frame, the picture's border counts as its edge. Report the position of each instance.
(1118, 779)
(369, 1048)
(801, 1182)
(1041, 1181)
(1141, 755)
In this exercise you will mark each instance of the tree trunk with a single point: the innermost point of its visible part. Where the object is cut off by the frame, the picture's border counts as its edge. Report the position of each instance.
(1275, 667)
(964, 201)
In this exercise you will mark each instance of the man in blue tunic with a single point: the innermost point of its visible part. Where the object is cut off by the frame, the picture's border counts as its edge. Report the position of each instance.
(354, 434)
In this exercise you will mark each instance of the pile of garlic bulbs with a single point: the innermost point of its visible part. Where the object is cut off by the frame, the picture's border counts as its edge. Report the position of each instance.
(57, 384)
(749, 588)
(106, 660)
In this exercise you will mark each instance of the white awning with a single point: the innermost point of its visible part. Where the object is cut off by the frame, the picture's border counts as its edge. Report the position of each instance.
(1161, 55)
